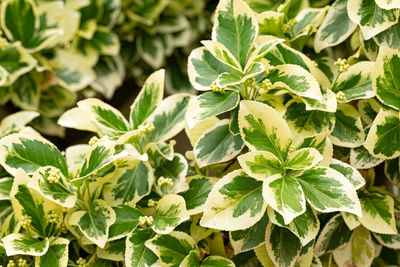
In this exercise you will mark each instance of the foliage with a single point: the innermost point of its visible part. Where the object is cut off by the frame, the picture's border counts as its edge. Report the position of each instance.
(296, 147)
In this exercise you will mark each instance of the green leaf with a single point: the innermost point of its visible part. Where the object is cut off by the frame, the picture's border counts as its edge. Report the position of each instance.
(360, 158)
(105, 42)
(295, 79)
(327, 190)
(29, 153)
(172, 248)
(284, 194)
(383, 138)
(305, 122)
(95, 222)
(260, 164)
(216, 261)
(263, 128)
(389, 38)
(262, 48)
(221, 52)
(250, 238)
(60, 192)
(204, 68)
(137, 254)
(56, 255)
(371, 18)
(392, 171)
(270, 23)
(127, 218)
(304, 226)
(193, 259)
(110, 73)
(236, 27)
(321, 143)
(109, 121)
(335, 28)
(129, 185)
(26, 92)
(282, 245)
(384, 79)
(213, 104)
(348, 130)
(23, 244)
(113, 250)
(169, 116)
(349, 172)
(356, 82)
(217, 144)
(5, 187)
(175, 169)
(334, 235)
(378, 213)
(170, 212)
(303, 159)
(149, 98)
(235, 203)
(199, 189)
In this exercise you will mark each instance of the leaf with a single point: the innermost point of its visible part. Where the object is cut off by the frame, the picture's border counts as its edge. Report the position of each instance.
(110, 73)
(169, 116)
(262, 128)
(303, 159)
(56, 255)
(95, 222)
(383, 138)
(262, 49)
(348, 130)
(113, 250)
(390, 241)
(221, 52)
(236, 27)
(371, 18)
(105, 41)
(109, 121)
(378, 213)
(170, 212)
(334, 235)
(5, 187)
(175, 169)
(217, 145)
(349, 172)
(129, 185)
(73, 118)
(26, 92)
(216, 261)
(213, 104)
(149, 98)
(304, 226)
(388, 4)
(296, 80)
(137, 254)
(204, 68)
(23, 244)
(284, 194)
(172, 248)
(282, 245)
(199, 189)
(384, 79)
(321, 143)
(29, 153)
(360, 158)
(351, 220)
(327, 190)
(60, 192)
(235, 203)
(392, 171)
(250, 238)
(335, 28)
(260, 164)
(305, 123)
(126, 220)
(356, 82)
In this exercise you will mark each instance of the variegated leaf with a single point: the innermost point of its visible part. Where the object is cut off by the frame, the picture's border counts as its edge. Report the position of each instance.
(217, 261)
(175, 169)
(371, 18)
(348, 130)
(217, 145)
(321, 143)
(170, 212)
(95, 222)
(392, 170)
(149, 98)
(137, 254)
(383, 138)
(113, 250)
(235, 203)
(56, 254)
(328, 190)
(260, 164)
(335, 28)
(390, 241)
(127, 218)
(349, 172)
(378, 213)
(351, 220)
(23, 244)
(250, 238)
(236, 27)
(303, 159)
(360, 158)
(263, 128)
(388, 4)
(222, 53)
(284, 195)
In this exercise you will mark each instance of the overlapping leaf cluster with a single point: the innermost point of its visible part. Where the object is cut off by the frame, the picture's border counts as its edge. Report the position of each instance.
(295, 158)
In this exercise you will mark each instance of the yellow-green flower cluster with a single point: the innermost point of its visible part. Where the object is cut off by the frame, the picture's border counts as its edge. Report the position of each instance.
(81, 262)
(216, 88)
(165, 181)
(145, 221)
(342, 64)
(26, 221)
(54, 175)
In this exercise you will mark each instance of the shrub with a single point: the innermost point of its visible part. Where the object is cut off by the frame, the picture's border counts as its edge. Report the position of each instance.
(295, 157)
